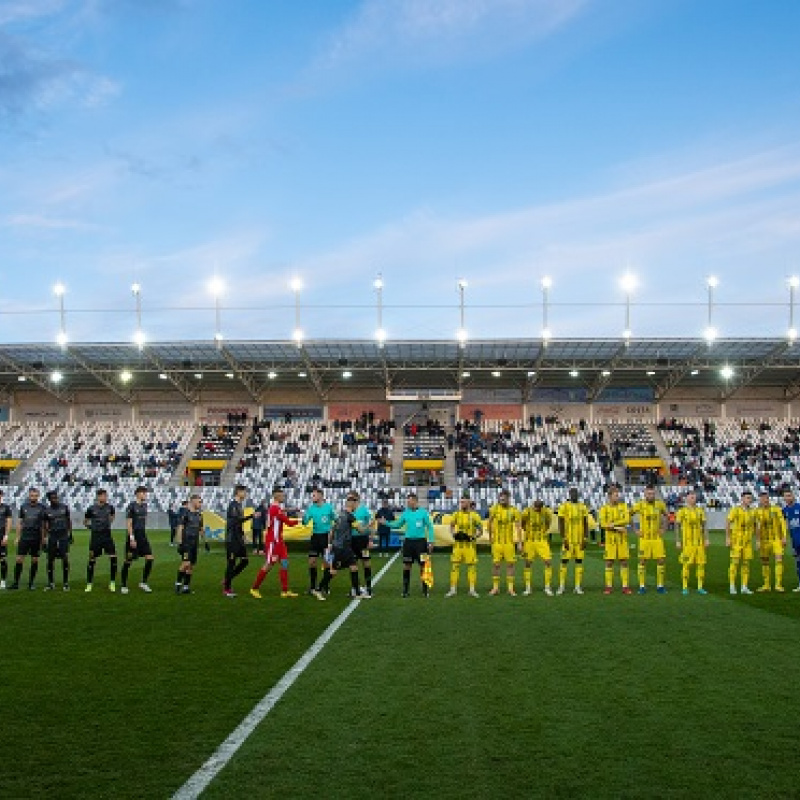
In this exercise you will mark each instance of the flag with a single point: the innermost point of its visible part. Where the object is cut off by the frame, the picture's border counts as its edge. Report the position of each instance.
(427, 573)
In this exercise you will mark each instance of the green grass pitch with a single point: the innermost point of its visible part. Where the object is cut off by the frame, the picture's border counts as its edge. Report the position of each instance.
(659, 696)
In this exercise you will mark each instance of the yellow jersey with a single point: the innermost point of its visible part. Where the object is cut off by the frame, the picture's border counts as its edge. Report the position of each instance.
(504, 521)
(574, 515)
(771, 524)
(692, 522)
(650, 516)
(743, 523)
(615, 515)
(536, 524)
(468, 522)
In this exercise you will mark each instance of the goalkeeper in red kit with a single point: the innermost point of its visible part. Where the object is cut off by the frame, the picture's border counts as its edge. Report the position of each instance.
(274, 546)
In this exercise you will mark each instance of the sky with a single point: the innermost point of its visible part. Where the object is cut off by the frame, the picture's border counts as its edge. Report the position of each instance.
(169, 142)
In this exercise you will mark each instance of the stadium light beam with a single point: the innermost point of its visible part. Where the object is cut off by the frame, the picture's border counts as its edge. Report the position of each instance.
(711, 332)
(56, 376)
(628, 282)
(547, 283)
(138, 336)
(217, 288)
(126, 376)
(380, 333)
(462, 330)
(793, 282)
(59, 290)
(726, 372)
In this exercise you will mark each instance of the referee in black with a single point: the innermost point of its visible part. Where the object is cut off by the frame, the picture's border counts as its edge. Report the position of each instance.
(341, 551)
(98, 519)
(30, 537)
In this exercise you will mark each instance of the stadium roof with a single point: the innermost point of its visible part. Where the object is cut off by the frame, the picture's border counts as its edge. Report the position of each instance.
(258, 366)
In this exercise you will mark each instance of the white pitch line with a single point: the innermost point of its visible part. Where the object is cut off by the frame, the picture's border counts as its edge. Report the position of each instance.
(195, 786)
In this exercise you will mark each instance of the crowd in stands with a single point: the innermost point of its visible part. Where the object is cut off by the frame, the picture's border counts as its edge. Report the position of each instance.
(424, 440)
(218, 441)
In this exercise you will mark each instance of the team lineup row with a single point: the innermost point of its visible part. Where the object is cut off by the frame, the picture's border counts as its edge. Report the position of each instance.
(343, 541)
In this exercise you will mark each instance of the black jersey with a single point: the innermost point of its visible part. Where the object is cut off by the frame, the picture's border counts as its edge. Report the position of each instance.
(137, 513)
(5, 513)
(32, 516)
(192, 522)
(234, 522)
(99, 518)
(342, 531)
(59, 521)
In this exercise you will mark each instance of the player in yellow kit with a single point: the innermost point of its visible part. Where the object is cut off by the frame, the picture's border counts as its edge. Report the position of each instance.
(691, 539)
(573, 525)
(504, 534)
(465, 526)
(739, 531)
(770, 540)
(615, 517)
(652, 516)
(536, 522)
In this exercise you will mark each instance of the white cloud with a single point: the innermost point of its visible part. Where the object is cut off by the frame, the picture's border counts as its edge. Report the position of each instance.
(437, 30)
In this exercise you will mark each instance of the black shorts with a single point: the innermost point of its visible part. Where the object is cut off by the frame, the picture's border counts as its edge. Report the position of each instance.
(142, 548)
(57, 547)
(413, 550)
(317, 545)
(342, 559)
(361, 546)
(3, 550)
(236, 549)
(101, 543)
(29, 547)
(188, 551)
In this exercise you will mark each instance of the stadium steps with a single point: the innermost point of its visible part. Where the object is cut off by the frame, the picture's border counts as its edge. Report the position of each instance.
(397, 462)
(188, 453)
(228, 476)
(661, 445)
(20, 475)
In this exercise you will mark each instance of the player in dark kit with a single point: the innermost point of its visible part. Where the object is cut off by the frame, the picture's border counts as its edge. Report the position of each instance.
(137, 545)
(30, 537)
(341, 555)
(98, 520)
(5, 531)
(234, 539)
(59, 537)
(190, 529)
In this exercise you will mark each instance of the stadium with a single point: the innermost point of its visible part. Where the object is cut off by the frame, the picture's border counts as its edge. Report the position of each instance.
(399, 396)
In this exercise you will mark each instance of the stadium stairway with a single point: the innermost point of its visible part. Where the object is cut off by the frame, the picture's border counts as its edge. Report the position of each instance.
(177, 476)
(20, 475)
(397, 457)
(661, 446)
(228, 476)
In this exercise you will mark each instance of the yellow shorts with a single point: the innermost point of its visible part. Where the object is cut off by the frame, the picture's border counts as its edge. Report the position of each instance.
(464, 553)
(771, 548)
(741, 551)
(693, 554)
(616, 547)
(572, 550)
(504, 552)
(535, 550)
(652, 548)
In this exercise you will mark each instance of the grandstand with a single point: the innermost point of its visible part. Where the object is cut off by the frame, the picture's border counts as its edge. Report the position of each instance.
(531, 414)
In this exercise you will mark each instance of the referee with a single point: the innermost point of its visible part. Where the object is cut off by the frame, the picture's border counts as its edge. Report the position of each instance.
(418, 541)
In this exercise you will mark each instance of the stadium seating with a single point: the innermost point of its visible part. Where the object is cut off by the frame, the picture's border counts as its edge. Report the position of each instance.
(218, 441)
(632, 439)
(20, 440)
(117, 456)
(723, 458)
(540, 462)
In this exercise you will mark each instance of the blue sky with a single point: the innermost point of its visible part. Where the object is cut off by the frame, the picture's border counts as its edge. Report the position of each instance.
(164, 141)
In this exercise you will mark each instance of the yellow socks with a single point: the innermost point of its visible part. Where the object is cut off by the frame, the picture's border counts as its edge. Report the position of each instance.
(548, 576)
(701, 574)
(745, 573)
(624, 574)
(527, 575)
(510, 584)
(453, 578)
(765, 575)
(609, 577)
(732, 573)
(578, 576)
(495, 582)
(685, 576)
(472, 575)
(661, 573)
(562, 575)
(642, 572)
(779, 574)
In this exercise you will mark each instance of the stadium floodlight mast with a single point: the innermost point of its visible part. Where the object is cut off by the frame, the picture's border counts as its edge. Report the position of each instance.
(547, 283)
(711, 332)
(59, 290)
(628, 283)
(793, 282)
(380, 333)
(461, 334)
(138, 336)
(217, 288)
(296, 285)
